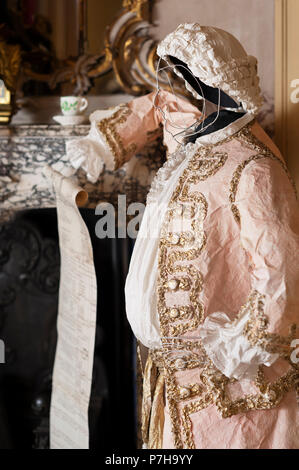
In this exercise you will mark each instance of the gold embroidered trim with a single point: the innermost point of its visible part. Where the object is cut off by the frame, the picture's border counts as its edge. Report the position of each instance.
(256, 328)
(107, 127)
(253, 142)
(263, 151)
(270, 394)
(237, 176)
(177, 354)
(176, 249)
(187, 410)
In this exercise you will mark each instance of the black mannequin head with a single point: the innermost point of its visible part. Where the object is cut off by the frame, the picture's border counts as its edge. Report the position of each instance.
(209, 93)
(225, 116)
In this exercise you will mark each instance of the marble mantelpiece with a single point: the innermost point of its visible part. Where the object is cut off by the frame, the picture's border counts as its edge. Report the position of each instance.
(25, 150)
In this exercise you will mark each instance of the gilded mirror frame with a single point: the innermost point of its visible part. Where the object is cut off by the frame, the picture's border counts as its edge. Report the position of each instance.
(129, 51)
(126, 40)
(10, 61)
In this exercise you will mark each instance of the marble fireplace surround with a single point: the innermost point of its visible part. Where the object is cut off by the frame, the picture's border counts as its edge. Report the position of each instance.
(26, 149)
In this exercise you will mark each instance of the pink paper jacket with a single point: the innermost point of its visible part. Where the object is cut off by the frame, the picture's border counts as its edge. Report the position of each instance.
(215, 296)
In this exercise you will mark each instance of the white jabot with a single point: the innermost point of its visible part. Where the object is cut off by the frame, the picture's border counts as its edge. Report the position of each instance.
(91, 153)
(140, 289)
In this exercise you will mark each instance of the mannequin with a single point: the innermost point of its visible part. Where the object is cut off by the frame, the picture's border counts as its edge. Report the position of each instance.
(212, 288)
(225, 116)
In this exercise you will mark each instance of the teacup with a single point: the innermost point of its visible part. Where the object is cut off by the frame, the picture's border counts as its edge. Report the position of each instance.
(73, 105)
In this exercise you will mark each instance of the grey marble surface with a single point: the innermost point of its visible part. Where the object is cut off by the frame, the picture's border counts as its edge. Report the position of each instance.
(43, 130)
(41, 109)
(25, 150)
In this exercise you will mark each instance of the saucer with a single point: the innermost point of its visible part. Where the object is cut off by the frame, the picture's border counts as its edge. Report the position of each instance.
(71, 120)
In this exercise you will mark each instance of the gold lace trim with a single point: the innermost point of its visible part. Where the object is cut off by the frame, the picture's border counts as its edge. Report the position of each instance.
(263, 151)
(108, 126)
(176, 274)
(177, 355)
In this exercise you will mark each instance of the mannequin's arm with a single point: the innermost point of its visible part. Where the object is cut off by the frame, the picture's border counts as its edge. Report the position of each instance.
(269, 233)
(119, 133)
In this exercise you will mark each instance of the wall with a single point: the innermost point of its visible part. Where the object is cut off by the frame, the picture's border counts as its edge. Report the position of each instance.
(287, 82)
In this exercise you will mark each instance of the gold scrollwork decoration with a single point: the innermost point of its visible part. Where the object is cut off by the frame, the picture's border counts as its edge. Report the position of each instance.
(129, 50)
(10, 61)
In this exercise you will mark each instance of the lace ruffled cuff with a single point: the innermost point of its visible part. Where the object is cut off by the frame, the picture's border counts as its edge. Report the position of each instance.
(90, 153)
(229, 349)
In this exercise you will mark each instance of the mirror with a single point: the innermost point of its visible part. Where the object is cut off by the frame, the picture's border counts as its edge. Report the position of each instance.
(10, 59)
(52, 32)
(5, 103)
(47, 31)
(115, 47)
(95, 47)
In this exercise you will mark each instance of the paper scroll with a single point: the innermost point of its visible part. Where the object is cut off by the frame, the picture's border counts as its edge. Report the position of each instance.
(72, 375)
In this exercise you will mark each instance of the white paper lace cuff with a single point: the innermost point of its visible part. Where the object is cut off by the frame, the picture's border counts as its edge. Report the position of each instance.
(90, 153)
(229, 349)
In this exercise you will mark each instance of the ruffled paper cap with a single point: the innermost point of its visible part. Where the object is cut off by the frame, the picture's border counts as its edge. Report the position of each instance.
(218, 59)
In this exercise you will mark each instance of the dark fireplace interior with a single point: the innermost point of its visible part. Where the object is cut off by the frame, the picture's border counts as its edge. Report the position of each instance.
(29, 282)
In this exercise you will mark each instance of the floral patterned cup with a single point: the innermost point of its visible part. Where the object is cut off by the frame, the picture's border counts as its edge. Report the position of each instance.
(73, 105)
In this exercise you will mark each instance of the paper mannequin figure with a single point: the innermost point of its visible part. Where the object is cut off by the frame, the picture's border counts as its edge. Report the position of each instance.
(213, 293)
